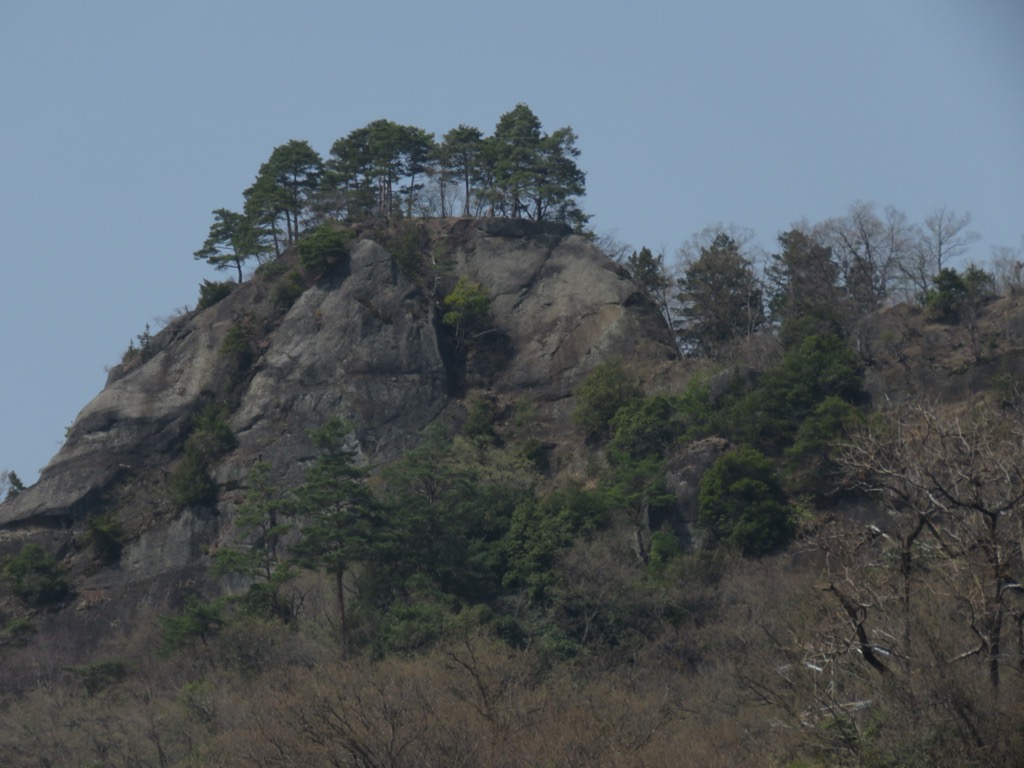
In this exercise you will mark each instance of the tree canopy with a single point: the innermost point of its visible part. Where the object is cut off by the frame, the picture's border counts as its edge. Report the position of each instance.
(385, 170)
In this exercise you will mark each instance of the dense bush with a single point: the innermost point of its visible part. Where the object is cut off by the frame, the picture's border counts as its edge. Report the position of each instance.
(105, 535)
(742, 503)
(190, 483)
(323, 248)
(541, 529)
(467, 310)
(237, 347)
(35, 576)
(956, 296)
(607, 389)
(288, 289)
(211, 291)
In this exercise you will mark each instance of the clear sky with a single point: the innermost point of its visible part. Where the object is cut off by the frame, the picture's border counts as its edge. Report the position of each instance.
(124, 123)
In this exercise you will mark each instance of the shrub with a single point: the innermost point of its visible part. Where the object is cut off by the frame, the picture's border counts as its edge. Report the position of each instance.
(541, 530)
(237, 346)
(35, 576)
(647, 427)
(134, 356)
(287, 290)
(103, 674)
(607, 389)
(190, 483)
(468, 309)
(742, 503)
(408, 245)
(16, 631)
(958, 295)
(12, 483)
(323, 248)
(105, 535)
(211, 291)
(481, 418)
(198, 621)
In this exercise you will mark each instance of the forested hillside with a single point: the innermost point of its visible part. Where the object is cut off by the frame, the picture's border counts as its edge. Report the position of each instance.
(491, 490)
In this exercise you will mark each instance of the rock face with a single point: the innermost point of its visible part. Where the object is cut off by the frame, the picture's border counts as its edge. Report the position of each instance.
(364, 343)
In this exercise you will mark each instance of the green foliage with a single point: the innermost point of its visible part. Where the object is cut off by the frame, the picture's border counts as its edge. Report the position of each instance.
(720, 298)
(448, 506)
(647, 427)
(636, 487)
(105, 535)
(211, 434)
(340, 514)
(190, 483)
(100, 675)
(287, 289)
(530, 174)
(542, 529)
(407, 243)
(742, 503)
(648, 271)
(768, 417)
(460, 158)
(480, 420)
(801, 278)
(665, 548)
(35, 576)
(413, 624)
(607, 389)
(468, 308)
(261, 521)
(16, 631)
(367, 165)
(957, 296)
(234, 239)
(134, 356)
(324, 247)
(13, 483)
(237, 346)
(808, 463)
(285, 188)
(210, 292)
(198, 622)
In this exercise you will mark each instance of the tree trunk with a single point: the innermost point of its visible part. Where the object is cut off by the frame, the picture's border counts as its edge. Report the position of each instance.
(339, 584)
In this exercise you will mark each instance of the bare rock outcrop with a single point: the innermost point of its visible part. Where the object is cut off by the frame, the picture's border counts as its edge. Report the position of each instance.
(364, 343)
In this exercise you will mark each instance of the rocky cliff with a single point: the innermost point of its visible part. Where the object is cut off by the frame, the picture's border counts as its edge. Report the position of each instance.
(363, 341)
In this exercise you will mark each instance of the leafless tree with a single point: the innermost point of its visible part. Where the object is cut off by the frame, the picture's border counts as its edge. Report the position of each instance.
(869, 250)
(953, 487)
(944, 238)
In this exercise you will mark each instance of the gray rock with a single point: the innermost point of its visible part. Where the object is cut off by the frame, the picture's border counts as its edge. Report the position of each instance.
(364, 344)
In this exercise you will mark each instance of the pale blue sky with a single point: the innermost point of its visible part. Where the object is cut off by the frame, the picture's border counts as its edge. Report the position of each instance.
(126, 122)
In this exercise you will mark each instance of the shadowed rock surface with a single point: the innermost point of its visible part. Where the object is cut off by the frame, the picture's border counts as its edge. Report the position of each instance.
(365, 343)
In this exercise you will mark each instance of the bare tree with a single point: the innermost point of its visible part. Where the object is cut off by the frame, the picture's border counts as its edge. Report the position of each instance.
(944, 238)
(868, 250)
(952, 490)
(1008, 268)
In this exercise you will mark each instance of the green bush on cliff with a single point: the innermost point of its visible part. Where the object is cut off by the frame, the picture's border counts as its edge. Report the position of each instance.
(35, 576)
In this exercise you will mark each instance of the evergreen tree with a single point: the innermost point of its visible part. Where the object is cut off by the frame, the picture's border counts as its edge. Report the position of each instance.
(530, 174)
(463, 148)
(261, 521)
(286, 186)
(234, 238)
(720, 298)
(801, 274)
(341, 516)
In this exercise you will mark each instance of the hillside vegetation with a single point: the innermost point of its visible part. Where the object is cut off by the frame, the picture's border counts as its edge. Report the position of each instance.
(467, 492)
